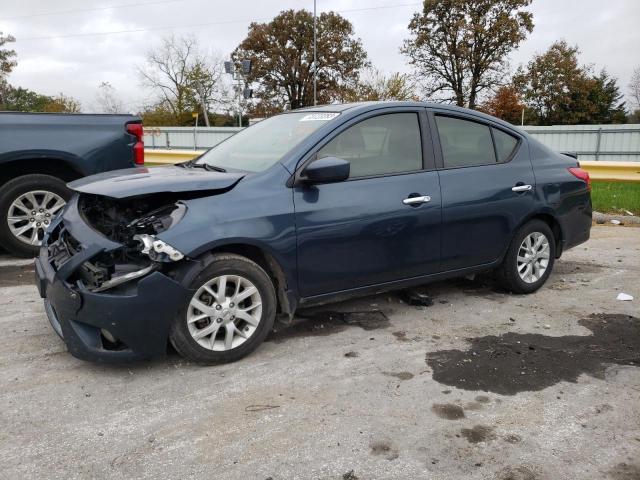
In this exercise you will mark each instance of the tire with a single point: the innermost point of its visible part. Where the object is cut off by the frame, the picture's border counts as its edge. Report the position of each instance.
(213, 349)
(16, 189)
(508, 273)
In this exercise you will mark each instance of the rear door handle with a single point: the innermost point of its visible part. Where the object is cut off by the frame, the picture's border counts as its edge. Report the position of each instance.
(521, 188)
(416, 200)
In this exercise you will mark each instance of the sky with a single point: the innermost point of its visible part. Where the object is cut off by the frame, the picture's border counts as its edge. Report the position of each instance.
(70, 46)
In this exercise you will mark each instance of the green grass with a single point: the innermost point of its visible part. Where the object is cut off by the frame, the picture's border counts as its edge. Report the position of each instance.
(616, 197)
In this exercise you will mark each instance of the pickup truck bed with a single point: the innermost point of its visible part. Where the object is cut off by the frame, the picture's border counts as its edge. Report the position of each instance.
(41, 152)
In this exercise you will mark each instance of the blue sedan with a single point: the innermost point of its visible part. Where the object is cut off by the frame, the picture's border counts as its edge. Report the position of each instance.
(304, 207)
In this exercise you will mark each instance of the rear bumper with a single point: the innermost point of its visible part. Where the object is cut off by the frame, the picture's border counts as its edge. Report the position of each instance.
(576, 224)
(139, 315)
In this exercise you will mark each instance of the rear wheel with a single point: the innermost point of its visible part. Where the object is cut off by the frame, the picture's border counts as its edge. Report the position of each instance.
(28, 204)
(230, 313)
(530, 258)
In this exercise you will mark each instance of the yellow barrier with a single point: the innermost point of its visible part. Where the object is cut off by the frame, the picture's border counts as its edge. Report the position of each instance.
(611, 171)
(168, 157)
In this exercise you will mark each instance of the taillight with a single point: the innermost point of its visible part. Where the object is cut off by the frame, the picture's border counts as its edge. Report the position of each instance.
(135, 129)
(582, 175)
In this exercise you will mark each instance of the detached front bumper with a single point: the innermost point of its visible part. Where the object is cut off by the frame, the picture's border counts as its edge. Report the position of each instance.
(139, 316)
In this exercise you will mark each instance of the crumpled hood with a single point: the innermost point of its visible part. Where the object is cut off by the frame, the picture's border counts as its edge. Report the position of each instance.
(141, 181)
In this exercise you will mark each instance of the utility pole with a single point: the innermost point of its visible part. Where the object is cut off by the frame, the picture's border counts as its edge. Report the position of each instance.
(202, 104)
(315, 53)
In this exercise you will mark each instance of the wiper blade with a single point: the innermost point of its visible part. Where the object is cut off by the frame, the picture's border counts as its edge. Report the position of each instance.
(214, 168)
(205, 166)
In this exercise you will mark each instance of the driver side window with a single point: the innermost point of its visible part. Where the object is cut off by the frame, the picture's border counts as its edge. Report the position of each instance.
(381, 145)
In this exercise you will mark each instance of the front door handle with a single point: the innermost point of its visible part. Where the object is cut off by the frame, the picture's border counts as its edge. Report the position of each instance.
(416, 200)
(521, 188)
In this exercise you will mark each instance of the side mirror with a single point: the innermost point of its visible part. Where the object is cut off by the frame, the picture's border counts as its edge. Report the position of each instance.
(326, 170)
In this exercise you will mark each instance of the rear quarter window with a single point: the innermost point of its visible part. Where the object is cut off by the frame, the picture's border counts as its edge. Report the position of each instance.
(505, 144)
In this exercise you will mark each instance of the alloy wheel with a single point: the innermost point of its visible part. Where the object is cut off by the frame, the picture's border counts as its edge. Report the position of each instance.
(533, 257)
(224, 312)
(31, 213)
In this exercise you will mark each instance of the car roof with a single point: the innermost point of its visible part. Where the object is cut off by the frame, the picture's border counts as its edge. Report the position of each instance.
(361, 107)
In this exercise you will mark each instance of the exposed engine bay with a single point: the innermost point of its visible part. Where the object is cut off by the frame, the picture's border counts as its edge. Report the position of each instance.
(121, 219)
(133, 222)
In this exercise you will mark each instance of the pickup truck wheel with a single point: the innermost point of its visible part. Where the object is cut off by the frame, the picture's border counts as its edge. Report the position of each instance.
(27, 206)
(230, 313)
(529, 260)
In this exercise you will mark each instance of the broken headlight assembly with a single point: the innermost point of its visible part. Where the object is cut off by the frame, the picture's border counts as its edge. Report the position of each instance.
(134, 223)
(157, 250)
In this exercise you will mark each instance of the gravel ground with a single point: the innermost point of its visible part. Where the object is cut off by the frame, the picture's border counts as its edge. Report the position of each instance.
(481, 384)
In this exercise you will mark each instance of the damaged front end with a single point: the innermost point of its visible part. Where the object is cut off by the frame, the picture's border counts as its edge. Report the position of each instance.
(133, 223)
(108, 283)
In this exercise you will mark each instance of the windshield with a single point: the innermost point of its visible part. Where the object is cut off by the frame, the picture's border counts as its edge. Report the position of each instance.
(258, 147)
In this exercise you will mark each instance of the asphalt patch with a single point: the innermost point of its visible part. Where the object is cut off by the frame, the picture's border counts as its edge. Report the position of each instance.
(568, 267)
(512, 363)
(448, 411)
(15, 275)
(517, 473)
(479, 433)
(384, 448)
(322, 323)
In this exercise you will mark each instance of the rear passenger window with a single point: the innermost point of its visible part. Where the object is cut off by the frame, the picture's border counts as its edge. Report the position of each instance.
(505, 144)
(381, 145)
(464, 143)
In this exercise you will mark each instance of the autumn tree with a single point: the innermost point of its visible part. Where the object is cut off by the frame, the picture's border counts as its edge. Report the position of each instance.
(282, 55)
(558, 90)
(459, 48)
(504, 104)
(7, 63)
(62, 104)
(182, 76)
(375, 85)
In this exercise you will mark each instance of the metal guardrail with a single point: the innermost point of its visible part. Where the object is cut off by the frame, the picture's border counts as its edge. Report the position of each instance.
(592, 142)
(186, 138)
(611, 171)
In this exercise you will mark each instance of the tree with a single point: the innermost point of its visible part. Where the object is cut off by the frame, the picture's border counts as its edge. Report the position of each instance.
(504, 104)
(375, 86)
(460, 47)
(18, 99)
(606, 100)
(63, 104)
(107, 99)
(7, 63)
(559, 91)
(281, 52)
(178, 72)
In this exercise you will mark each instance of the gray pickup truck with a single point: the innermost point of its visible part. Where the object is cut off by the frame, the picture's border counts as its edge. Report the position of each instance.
(41, 152)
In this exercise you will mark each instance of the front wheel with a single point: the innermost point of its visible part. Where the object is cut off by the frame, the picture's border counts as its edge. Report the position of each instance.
(529, 260)
(230, 313)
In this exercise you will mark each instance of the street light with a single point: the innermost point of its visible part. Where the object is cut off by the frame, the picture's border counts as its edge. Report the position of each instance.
(239, 76)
